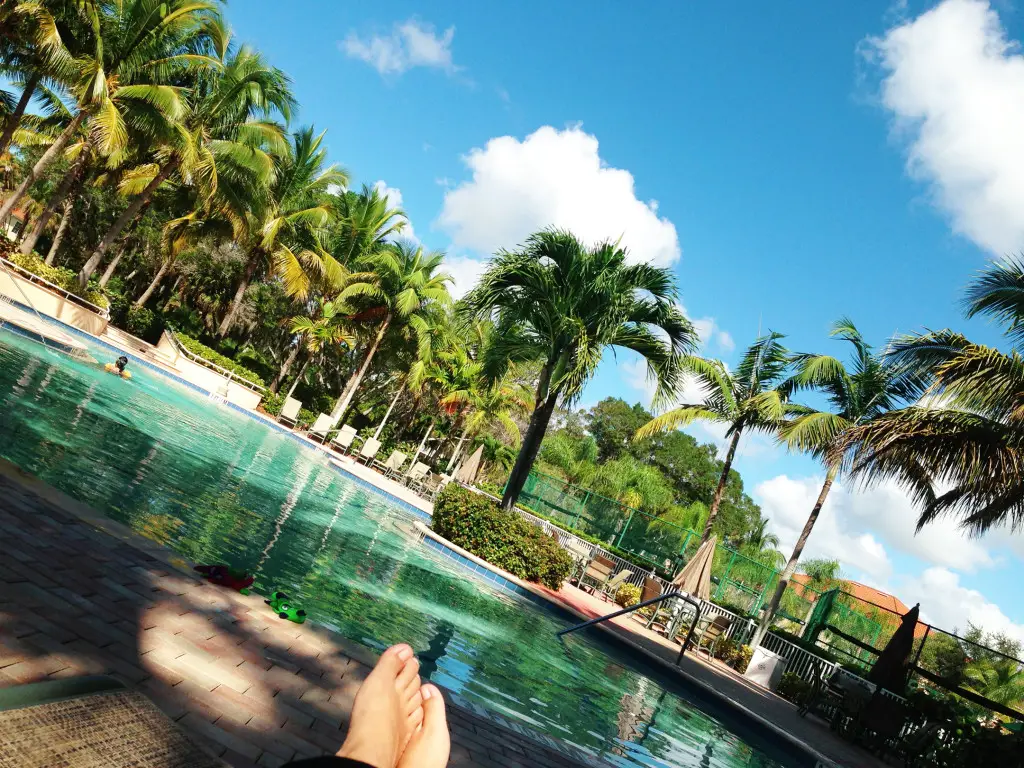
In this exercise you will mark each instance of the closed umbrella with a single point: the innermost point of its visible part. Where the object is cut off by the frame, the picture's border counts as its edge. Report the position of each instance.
(893, 664)
(467, 472)
(695, 578)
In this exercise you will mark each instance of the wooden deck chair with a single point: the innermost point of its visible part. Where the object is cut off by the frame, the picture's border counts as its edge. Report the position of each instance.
(343, 440)
(290, 411)
(369, 450)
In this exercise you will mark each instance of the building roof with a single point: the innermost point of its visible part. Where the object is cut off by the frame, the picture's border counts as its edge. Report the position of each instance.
(865, 593)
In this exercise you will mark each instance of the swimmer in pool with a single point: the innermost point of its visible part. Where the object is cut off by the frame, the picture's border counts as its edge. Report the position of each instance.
(119, 367)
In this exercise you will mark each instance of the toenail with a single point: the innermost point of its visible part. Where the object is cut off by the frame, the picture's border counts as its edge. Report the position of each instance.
(427, 691)
(405, 653)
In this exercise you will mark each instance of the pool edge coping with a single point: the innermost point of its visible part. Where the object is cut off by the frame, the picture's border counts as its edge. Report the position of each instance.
(822, 760)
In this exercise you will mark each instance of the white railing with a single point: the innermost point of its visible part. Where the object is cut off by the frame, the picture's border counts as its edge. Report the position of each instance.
(231, 375)
(32, 277)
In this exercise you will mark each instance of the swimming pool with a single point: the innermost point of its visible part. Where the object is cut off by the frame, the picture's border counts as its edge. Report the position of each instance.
(217, 486)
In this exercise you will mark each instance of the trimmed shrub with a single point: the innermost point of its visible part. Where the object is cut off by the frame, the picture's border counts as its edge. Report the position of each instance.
(272, 403)
(201, 350)
(60, 276)
(741, 658)
(793, 687)
(139, 321)
(627, 595)
(476, 524)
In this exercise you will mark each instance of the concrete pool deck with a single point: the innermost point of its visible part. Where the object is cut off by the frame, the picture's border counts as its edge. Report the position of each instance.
(81, 594)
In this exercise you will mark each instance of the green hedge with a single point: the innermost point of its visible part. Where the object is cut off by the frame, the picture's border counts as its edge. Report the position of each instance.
(61, 276)
(476, 524)
(201, 350)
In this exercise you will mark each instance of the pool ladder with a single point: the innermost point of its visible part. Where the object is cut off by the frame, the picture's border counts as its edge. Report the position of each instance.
(644, 604)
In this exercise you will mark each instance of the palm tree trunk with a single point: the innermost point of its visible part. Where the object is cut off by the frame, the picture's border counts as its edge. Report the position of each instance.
(458, 448)
(109, 273)
(60, 195)
(394, 401)
(420, 447)
(155, 282)
(14, 119)
(285, 367)
(236, 303)
(790, 569)
(123, 221)
(298, 376)
(353, 383)
(62, 228)
(41, 165)
(716, 501)
(528, 451)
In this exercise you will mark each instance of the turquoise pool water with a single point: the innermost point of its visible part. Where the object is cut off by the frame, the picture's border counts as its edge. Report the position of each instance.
(216, 486)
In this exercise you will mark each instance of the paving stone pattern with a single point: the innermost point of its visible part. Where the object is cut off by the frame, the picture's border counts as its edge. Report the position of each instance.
(256, 690)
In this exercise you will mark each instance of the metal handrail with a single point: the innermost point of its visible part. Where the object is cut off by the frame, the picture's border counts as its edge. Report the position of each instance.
(630, 609)
(32, 277)
(231, 375)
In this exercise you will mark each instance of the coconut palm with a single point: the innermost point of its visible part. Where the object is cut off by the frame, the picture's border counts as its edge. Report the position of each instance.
(406, 283)
(869, 388)
(754, 398)
(287, 231)
(559, 303)
(227, 131)
(140, 52)
(327, 326)
(367, 220)
(964, 434)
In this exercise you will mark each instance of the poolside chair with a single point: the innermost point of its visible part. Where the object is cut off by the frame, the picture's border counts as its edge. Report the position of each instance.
(343, 440)
(612, 585)
(821, 698)
(369, 450)
(597, 573)
(393, 465)
(321, 427)
(416, 474)
(652, 588)
(710, 632)
(290, 411)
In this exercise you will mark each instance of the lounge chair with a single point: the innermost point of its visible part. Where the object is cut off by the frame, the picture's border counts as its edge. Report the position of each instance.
(652, 588)
(821, 697)
(416, 474)
(369, 450)
(710, 632)
(427, 485)
(580, 551)
(290, 411)
(343, 440)
(393, 465)
(612, 585)
(321, 427)
(597, 573)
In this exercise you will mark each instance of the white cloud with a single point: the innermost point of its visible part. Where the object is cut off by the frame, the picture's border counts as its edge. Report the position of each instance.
(552, 178)
(712, 335)
(465, 271)
(883, 514)
(410, 44)
(947, 604)
(955, 86)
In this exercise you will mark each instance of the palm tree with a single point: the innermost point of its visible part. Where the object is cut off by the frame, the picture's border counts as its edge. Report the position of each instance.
(999, 680)
(755, 398)
(760, 538)
(871, 387)
(140, 50)
(964, 433)
(576, 459)
(326, 327)
(367, 221)
(560, 303)
(226, 131)
(406, 284)
(288, 229)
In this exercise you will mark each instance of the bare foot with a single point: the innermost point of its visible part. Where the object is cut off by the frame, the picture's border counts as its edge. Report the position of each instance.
(387, 710)
(429, 746)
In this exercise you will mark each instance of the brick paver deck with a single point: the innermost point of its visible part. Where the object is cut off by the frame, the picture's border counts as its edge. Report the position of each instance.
(82, 595)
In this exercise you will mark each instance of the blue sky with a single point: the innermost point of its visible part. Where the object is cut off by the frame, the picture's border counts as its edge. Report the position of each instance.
(807, 161)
